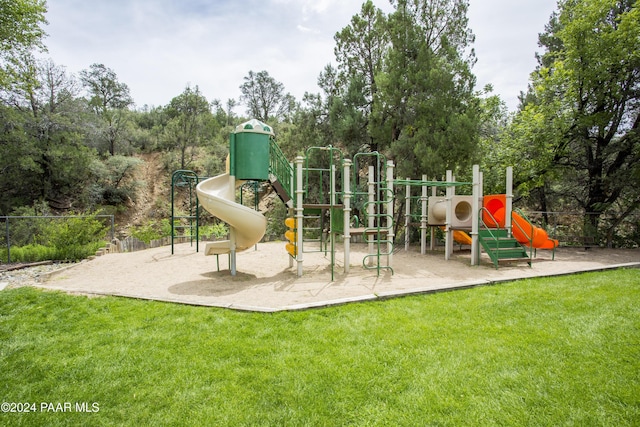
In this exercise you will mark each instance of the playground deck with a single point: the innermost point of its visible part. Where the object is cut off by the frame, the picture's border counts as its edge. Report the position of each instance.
(265, 282)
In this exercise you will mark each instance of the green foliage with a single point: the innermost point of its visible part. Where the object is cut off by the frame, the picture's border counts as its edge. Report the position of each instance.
(576, 135)
(433, 114)
(64, 238)
(188, 126)
(109, 100)
(24, 231)
(218, 231)
(360, 51)
(155, 230)
(530, 352)
(21, 32)
(495, 145)
(114, 183)
(152, 230)
(43, 155)
(275, 222)
(404, 87)
(30, 253)
(264, 96)
(37, 253)
(74, 231)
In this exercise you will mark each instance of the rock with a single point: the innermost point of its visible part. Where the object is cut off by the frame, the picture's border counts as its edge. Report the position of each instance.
(26, 276)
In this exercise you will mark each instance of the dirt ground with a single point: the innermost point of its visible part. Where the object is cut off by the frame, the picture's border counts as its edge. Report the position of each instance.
(265, 281)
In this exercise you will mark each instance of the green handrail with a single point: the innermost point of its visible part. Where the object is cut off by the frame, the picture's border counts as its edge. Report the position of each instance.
(280, 167)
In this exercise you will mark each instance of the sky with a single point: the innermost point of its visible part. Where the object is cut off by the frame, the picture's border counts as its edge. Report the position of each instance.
(158, 47)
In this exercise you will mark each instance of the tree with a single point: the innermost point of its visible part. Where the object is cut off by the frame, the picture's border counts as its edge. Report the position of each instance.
(494, 142)
(265, 97)
(187, 115)
(20, 34)
(114, 183)
(586, 96)
(427, 106)
(360, 51)
(109, 100)
(53, 160)
(224, 117)
(231, 104)
(310, 125)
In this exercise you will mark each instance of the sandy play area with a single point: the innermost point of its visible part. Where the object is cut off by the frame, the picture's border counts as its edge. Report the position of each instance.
(265, 282)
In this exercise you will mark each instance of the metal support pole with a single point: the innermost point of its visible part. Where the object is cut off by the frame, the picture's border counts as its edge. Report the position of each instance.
(475, 210)
(509, 207)
(347, 214)
(173, 219)
(8, 241)
(371, 209)
(389, 211)
(197, 218)
(232, 230)
(432, 245)
(332, 203)
(448, 244)
(290, 210)
(407, 214)
(299, 213)
(423, 217)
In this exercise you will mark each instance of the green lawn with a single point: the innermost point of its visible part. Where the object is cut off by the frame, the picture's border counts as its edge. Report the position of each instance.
(559, 351)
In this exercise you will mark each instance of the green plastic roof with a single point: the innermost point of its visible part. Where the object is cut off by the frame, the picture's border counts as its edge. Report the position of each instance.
(254, 126)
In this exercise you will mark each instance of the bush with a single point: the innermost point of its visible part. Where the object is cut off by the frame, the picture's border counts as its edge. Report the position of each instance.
(115, 196)
(29, 253)
(57, 239)
(152, 230)
(218, 230)
(75, 231)
(37, 253)
(275, 222)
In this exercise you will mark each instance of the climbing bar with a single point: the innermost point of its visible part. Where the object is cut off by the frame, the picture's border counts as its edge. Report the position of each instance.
(417, 182)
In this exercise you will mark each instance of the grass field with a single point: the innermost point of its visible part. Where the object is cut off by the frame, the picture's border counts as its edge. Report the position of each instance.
(548, 352)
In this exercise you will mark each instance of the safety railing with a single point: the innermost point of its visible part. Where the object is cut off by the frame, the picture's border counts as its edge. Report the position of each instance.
(493, 222)
(280, 167)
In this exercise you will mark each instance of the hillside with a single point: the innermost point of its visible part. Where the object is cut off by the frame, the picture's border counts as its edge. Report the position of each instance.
(152, 200)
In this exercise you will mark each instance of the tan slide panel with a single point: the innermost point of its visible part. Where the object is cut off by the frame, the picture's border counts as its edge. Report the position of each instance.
(217, 196)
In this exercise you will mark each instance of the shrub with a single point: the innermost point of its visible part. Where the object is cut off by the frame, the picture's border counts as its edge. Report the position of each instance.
(75, 231)
(152, 230)
(275, 222)
(218, 230)
(57, 239)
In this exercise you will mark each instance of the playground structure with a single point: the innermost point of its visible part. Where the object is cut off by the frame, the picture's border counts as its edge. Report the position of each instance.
(325, 194)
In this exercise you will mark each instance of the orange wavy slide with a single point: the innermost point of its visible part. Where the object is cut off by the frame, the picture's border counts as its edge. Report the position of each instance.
(523, 231)
(460, 237)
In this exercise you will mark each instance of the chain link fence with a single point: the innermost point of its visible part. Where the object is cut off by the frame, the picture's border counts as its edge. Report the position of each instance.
(576, 229)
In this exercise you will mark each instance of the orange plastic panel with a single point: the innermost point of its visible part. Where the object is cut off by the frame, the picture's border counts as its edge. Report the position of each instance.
(493, 203)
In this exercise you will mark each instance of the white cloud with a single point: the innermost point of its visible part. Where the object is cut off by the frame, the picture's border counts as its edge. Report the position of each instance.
(506, 42)
(158, 47)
